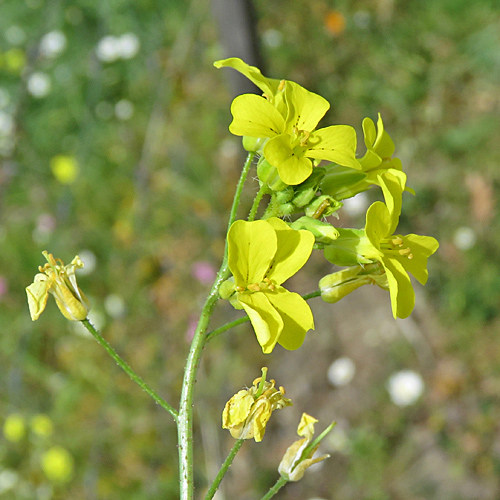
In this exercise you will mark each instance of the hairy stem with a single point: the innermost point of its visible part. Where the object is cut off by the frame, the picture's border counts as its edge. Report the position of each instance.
(126, 368)
(185, 418)
(224, 468)
(274, 489)
(256, 202)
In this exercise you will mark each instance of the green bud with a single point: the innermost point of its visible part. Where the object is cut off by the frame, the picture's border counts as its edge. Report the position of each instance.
(284, 196)
(306, 191)
(227, 288)
(323, 232)
(322, 206)
(337, 285)
(253, 144)
(344, 250)
(341, 182)
(269, 175)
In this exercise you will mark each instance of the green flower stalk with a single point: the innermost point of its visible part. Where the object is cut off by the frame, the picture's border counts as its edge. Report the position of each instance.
(262, 255)
(287, 115)
(60, 281)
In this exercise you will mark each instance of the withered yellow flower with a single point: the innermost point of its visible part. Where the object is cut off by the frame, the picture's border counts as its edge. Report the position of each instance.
(246, 414)
(60, 281)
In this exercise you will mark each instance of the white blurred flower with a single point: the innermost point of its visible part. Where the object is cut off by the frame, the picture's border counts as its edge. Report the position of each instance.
(338, 441)
(128, 45)
(108, 49)
(6, 124)
(15, 35)
(356, 205)
(52, 44)
(341, 372)
(8, 480)
(124, 110)
(272, 38)
(405, 387)
(464, 238)
(39, 84)
(115, 306)
(4, 98)
(89, 262)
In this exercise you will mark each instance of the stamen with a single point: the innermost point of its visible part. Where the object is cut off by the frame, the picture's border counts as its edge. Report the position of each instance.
(397, 241)
(240, 288)
(281, 86)
(254, 287)
(303, 141)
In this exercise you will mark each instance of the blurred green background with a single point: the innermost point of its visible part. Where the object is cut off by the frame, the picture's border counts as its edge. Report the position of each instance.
(114, 146)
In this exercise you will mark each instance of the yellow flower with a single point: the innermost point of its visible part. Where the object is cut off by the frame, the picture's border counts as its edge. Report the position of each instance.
(298, 456)
(58, 464)
(64, 168)
(287, 115)
(247, 412)
(14, 428)
(60, 281)
(262, 255)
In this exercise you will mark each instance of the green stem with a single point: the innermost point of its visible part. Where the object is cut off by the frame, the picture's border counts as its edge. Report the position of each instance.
(224, 468)
(256, 202)
(227, 327)
(245, 319)
(126, 368)
(185, 418)
(274, 489)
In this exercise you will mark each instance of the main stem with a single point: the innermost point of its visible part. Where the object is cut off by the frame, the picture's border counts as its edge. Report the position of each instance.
(185, 417)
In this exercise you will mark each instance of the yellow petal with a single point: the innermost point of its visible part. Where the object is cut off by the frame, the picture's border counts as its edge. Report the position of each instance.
(294, 249)
(336, 143)
(266, 321)
(38, 292)
(305, 109)
(251, 248)
(296, 315)
(254, 116)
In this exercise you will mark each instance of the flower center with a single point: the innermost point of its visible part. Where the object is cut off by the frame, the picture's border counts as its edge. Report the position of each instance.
(264, 285)
(300, 137)
(396, 246)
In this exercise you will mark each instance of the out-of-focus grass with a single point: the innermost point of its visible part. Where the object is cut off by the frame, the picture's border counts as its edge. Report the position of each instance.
(146, 124)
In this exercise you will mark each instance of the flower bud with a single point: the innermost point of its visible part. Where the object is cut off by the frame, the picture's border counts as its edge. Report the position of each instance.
(337, 285)
(341, 182)
(253, 144)
(246, 414)
(269, 175)
(322, 206)
(346, 250)
(323, 232)
(306, 191)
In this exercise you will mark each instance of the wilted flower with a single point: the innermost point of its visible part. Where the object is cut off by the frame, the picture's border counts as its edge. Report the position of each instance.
(246, 414)
(298, 456)
(60, 281)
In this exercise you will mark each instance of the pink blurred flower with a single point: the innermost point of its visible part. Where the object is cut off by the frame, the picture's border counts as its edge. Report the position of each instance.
(204, 272)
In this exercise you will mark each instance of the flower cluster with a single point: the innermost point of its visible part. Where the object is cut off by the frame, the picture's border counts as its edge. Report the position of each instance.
(281, 127)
